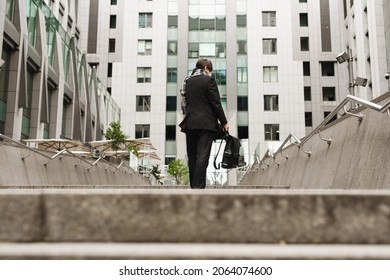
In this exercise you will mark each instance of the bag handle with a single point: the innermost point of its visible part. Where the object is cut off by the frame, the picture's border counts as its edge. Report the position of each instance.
(218, 166)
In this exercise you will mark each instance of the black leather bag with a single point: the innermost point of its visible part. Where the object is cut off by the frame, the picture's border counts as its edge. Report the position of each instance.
(231, 155)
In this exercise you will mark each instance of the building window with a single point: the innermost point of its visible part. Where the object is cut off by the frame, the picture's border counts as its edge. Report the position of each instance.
(329, 94)
(9, 9)
(304, 43)
(145, 20)
(271, 132)
(241, 20)
(170, 132)
(193, 50)
(109, 70)
(306, 68)
(242, 132)
(193, 23)
(308, 119)
(172, 75)
(144, 47)
(113, 2)
(207, 24)
(142, 131)
(172, 21)
(302, 1)
(111, 46)
(271, 102)
(269, 46)
(172, 47)
(112, 21)
(220, 23)
(220, 50)
(171, 103)
(143, 103)
(303, 20)
(219, 76)
(144, 75)
(241, 47)
(270, 74)
(242, 103)
(207, 49)
(269, 18)
(307, 93)
(327, 69)
(242, 75)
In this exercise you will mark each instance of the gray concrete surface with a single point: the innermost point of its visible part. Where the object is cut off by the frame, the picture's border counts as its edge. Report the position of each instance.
(128, 251)
(196, 216)
(357, 158)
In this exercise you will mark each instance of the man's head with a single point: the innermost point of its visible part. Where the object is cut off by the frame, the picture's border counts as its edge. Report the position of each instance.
(204, 64)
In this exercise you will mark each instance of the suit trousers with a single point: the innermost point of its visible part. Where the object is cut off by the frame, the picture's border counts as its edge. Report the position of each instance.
(199, 142)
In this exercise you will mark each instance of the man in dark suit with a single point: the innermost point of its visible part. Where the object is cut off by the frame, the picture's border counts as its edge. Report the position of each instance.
(203, 111)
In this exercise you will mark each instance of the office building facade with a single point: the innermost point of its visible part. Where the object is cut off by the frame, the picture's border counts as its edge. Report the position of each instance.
(47, 89)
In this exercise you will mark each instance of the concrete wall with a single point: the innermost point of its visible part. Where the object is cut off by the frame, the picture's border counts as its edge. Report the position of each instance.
(64, 171)
(357, 158)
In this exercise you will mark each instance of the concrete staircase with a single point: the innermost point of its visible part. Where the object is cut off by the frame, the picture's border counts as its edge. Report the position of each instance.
(161, 223)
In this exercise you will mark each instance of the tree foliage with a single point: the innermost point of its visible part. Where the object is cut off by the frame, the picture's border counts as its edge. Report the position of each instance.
(178, 169)
(118, 137)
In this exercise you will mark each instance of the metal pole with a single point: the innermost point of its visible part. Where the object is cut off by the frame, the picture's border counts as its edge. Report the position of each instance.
(350, 72)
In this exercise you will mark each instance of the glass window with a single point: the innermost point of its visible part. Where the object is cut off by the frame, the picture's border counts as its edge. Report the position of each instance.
(329, 94)
(143, 103)
(271, 132)
(193, 23)
(207, 24)
(241, 47)
(193, 50)
(111, 46)
(327, 68)
(113, 21)
(269, 18)
(303, 20)
(207, 49)
(269, 46)
(220, 23)
(144, 74)
(241, 20)
(145, 20)
(32, 16)
(302, 1)
(172, 47)
(172, 21)
(304, 43)
(270, 74)
(242, 75)
(271, 102)
(172, 75)
(113, 2)
(142, 131)
(306, 68)
(242, 103)
(307, 93)
(144, 47)
(220, 50)
(170, 132)
(109, 70)
(171, 103)
(308, 119)
(243, 132)
(9, 9)
(219, 76)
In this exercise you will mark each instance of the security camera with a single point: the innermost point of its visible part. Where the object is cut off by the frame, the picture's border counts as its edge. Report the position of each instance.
(387, 75)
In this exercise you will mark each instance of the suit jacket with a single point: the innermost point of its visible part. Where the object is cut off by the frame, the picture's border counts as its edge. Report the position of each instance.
(203, 107)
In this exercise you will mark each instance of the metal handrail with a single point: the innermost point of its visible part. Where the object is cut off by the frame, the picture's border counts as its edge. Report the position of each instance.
(349, 98)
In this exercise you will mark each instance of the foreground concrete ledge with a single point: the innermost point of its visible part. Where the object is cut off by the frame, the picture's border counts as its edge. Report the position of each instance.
(196, 216)
(110, 251)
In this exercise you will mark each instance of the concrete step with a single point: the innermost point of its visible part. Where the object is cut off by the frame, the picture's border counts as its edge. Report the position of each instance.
(196, 216)
(145, 251)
